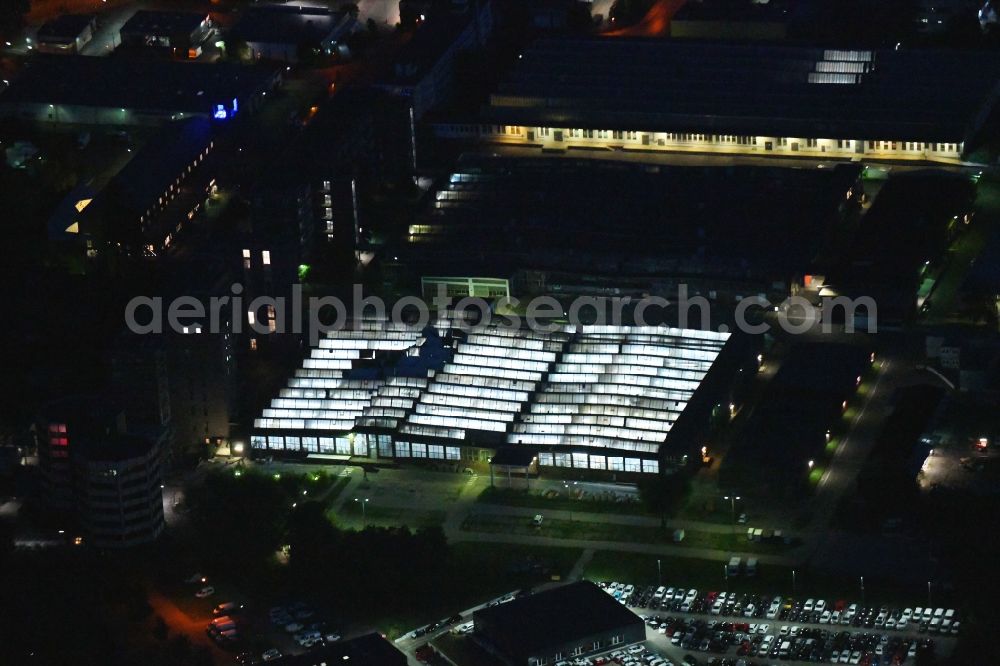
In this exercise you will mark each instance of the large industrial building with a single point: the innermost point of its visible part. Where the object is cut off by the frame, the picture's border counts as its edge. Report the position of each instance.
(607, 398)
(127, 91)
(896, 104)
(567, 226)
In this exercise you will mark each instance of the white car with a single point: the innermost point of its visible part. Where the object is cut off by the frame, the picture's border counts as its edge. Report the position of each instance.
(825, 617)
(820, 605)
(636, 649)
(807, 607)
(784, 630)
(205, 592)
(907, 614)
(763, 628)
(691, 595)
(845, 656)
(271, 655)
(717, 607)
(660, 591)
(855, 657)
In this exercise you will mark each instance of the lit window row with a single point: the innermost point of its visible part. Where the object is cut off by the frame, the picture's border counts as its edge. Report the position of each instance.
(612, 463)
(541, 439)
(585, 430)
(302, 424)
(485, 413)
(485, 382)
(432, 431)
(463, 401)
(467, 423)
(405, 449)
(479, 392)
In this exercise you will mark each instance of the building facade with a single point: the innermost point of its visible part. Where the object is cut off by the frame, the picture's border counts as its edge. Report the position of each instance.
(601, 398)
(757, 99)
(101, 473)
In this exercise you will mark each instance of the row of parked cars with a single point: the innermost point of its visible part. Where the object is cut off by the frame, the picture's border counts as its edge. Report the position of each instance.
(942, 621)
(789, 642)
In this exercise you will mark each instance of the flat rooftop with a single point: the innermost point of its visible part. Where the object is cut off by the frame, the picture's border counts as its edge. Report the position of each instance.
(575, 389)
(64, 29)
(138, 85)
(747, 90)
(287, 24)
(502, 214)
(555, 617)
(163, 23)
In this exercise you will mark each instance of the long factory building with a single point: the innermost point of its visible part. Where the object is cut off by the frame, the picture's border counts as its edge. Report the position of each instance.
(764, 100)
(609, 398)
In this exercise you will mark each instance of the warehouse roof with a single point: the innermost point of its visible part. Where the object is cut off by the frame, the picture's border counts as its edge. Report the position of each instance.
(137, 85)
(64, 29)
(165, 24)
(289, 24)
(751, 90)
(556, 617)
(502, 214)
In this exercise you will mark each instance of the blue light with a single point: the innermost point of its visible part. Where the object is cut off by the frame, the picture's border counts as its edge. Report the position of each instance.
(220, 112)
(235, 106)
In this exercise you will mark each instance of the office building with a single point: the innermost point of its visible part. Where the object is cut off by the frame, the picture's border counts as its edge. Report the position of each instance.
(614, 399)
(99, 471)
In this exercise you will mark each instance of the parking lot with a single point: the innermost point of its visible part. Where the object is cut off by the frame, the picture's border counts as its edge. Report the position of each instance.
(726, 628)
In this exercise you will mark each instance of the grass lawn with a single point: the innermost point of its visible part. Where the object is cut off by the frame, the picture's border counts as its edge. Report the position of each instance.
(705, 575)
(477, 573)
(352, 517)
(338, 487)
(534, 500)
(601, 531)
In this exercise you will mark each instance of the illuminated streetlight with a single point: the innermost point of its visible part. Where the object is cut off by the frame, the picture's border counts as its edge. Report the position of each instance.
(811, 463)
(732, 503)
(364, 516)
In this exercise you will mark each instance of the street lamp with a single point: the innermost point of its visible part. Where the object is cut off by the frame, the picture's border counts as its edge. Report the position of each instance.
(929, 604)
(732, 503)
(862, 590)
(659, 572)
(364, 515)
(793, 582)
(811, 463)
